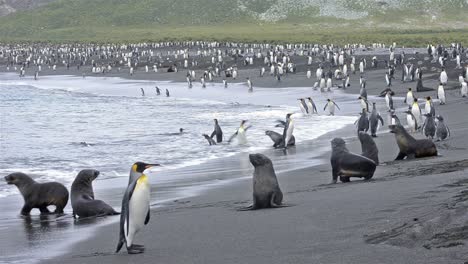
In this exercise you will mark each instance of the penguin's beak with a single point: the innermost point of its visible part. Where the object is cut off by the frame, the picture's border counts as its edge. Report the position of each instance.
(151, 165)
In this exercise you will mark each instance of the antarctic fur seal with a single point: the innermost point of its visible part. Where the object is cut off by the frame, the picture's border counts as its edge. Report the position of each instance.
(82, 197)
(346, 164)
(266, 190)
(369, 149)
(411, 147)
(277, 139)
(39, 195)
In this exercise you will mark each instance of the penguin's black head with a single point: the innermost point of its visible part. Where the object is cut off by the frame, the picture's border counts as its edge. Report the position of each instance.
(409, 89)
(141, 166)
(440, 118)
(288, 115)
(359, 98)
(415, 100)
(181, 130)
(328, 100)
(243, 122)
(216, 121)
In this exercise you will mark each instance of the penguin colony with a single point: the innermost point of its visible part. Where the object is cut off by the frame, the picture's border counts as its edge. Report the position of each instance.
(335, 65)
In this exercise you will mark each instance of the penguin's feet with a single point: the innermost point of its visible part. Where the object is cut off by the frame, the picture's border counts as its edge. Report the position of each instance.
(138, 246)
(135, 250)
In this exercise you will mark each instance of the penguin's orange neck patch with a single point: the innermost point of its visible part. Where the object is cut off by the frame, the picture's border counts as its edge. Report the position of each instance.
(142, 180)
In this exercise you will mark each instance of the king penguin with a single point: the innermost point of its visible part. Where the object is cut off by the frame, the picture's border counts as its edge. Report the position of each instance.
(288, 130)
(303, 106)
(135, 208)
(441, 93)
(311, 105)
(409, 97)
(331, 107)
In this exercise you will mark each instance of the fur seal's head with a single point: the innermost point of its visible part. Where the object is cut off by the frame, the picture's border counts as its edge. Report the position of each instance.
(19, 179)
(87, 176)
(363, 136)
(259, 160)
(338, 143)
(268, 133)
(396, 128)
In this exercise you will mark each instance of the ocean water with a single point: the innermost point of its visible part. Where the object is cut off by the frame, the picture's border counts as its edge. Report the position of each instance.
(55, 127)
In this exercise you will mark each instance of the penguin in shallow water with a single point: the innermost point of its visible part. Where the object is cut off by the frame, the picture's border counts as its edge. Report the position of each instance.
(167, 93)
(240, 134)
(158, 92)
(209, 139)
(331, 107)
(217, 132)
(249, 84)
(135, 208)
(303, 106)
(288, 131)
(311, 106)
(142, 92)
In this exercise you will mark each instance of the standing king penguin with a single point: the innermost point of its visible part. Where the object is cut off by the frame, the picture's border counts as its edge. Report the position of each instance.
(135, 208)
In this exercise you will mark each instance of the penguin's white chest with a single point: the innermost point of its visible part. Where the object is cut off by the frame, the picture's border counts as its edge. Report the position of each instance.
(241, 136)
(138, 209)
(441, 93)
(331, 108)
(289, 132)
(409, 98)
(410, 121)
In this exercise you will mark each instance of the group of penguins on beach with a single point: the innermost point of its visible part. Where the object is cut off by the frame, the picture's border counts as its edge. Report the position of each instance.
(135, 210)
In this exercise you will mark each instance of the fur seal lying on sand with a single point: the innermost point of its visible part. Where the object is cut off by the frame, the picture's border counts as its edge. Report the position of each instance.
(369, 149)
(39, 195)
(411, 147)
(266, 191)
(277, 138)
(346, 164)
(82, 197)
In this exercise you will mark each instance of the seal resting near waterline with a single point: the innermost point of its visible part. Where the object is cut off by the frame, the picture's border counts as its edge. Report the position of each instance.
(346, 164)
(82, 197)
(39, 195)
(410, 147)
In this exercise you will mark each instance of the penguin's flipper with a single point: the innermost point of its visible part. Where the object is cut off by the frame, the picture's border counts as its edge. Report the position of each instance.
(147, 217)
(336, 106)
(381, 119)
(232, 137)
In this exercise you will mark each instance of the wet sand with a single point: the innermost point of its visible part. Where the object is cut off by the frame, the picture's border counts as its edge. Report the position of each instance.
(411, 211)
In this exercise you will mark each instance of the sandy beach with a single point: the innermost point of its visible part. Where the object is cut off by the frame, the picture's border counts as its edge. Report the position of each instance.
(412, 211)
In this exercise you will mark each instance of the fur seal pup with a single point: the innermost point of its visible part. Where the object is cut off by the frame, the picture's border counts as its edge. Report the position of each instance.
(266, 190)
(277, 139)
(346, 164)
(82, 197)
(411, 147)
(369, 148)
(39, 195)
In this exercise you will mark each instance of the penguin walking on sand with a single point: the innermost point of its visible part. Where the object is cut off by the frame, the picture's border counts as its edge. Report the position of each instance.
(135, 208)
(416, 110)
(240, 134)
(363, 121)
(331, 107)
(225, 83)
(217, 132)
(441, 94)
(394, 120)
(443, 77)
(388, 80)
(309, 74)
(429, 107)
(158, 92)
(364, 103)
(464, 89)
(322, 84)
(389, 100)
(411, 121)
(303, 106)
(311, 106)
(329, 84)
(429, 126)
(409, 99)
(363, 91)
(249, 84)
(287, 131)
(442, 131)
(374, 121)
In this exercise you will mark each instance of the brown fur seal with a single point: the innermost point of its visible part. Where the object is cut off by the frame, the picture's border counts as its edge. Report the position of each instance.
(346, 164)
(411, 147)
(82, 197)
(369, 149)
(266, 191)
(39, 195)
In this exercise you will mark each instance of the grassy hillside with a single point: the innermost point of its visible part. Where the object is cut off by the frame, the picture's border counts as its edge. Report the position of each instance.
(411, 22)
